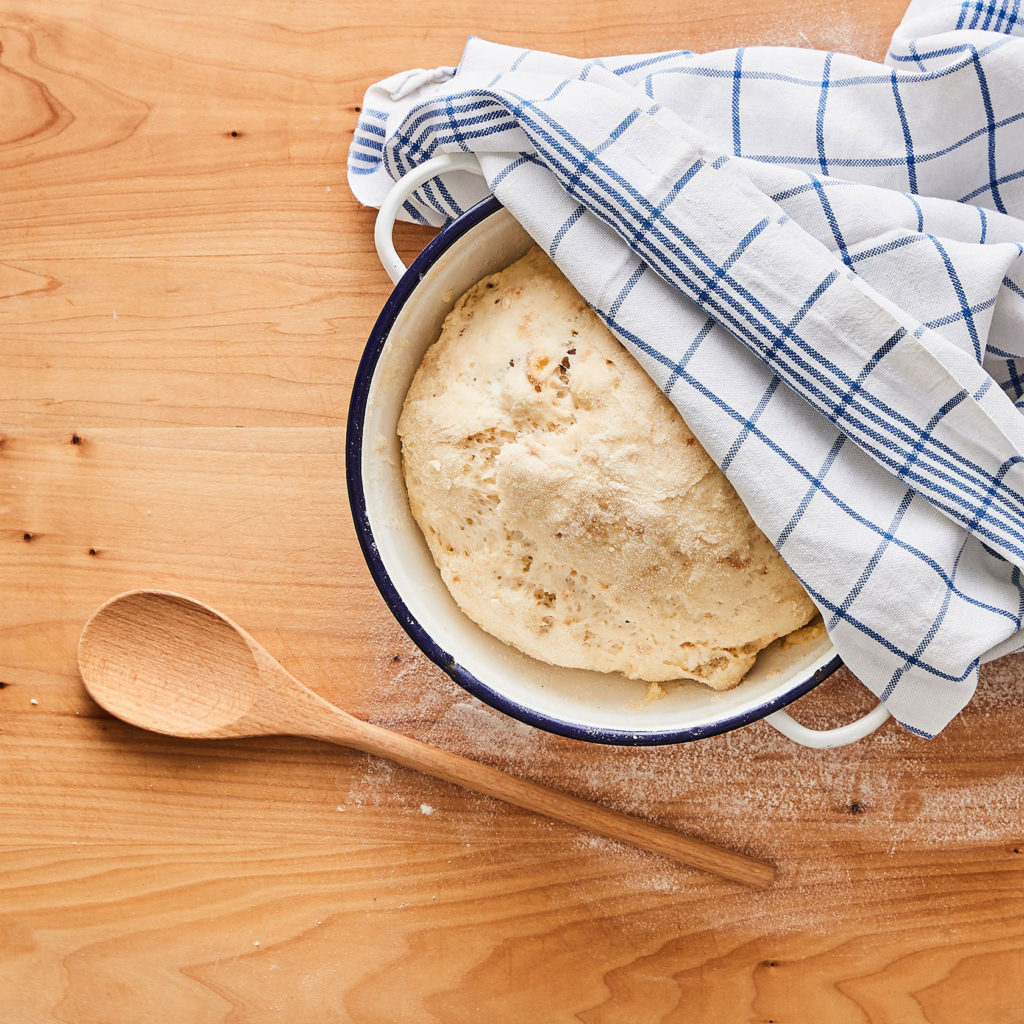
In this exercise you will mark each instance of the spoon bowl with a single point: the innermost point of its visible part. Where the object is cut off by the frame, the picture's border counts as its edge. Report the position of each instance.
(167, 663)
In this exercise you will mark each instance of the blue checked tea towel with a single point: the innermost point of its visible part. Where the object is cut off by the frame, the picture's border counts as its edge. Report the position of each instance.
(819, 260)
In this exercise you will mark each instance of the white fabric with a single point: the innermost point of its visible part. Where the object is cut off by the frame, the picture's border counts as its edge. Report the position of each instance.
(819, 259)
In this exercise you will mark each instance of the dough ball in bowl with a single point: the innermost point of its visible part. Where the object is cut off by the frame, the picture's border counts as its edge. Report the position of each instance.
(568, 507)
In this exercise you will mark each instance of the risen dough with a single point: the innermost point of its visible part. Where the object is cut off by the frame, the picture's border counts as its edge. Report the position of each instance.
(568, 507)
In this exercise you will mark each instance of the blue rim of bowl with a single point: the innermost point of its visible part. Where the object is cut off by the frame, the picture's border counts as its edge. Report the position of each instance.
(423, 640)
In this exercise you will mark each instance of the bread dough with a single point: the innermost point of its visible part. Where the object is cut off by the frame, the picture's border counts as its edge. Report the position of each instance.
(569, 509)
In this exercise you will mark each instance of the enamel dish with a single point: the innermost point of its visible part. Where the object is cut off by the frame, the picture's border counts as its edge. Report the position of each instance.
(604, 708)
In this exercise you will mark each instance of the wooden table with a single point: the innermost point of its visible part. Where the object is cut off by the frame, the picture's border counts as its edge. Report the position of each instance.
(185, 287)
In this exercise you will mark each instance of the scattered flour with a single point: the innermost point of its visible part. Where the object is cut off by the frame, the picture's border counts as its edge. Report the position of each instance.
(842, 30)
(861, 817)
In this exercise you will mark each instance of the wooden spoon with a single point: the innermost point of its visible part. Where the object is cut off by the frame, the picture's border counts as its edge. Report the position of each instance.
(169, 664)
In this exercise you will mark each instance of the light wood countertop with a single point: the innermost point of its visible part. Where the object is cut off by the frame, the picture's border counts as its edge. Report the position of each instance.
(185, 288)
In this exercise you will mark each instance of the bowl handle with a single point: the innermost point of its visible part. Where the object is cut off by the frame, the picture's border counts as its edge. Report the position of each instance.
(826, 738)
(400, 192)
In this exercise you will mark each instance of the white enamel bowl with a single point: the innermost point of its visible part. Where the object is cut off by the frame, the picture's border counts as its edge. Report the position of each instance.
(591, 706)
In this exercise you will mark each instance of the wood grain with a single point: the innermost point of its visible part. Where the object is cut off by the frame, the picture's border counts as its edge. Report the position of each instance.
(181, 312)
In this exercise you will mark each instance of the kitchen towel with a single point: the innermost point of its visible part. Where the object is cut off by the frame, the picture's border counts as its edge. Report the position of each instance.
(819, 259)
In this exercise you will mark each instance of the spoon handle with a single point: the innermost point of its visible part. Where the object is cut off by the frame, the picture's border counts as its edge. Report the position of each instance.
(480, 778)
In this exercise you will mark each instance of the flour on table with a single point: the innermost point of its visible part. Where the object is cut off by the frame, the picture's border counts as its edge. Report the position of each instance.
(831, 819)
